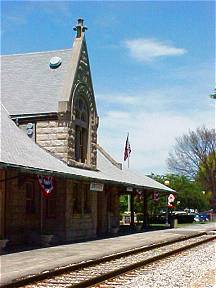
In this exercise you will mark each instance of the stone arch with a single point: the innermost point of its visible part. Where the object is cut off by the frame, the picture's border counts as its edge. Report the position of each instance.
(81, 131)
(83, 89)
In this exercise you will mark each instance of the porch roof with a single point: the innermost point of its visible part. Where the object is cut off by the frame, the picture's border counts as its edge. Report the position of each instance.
(19, 151)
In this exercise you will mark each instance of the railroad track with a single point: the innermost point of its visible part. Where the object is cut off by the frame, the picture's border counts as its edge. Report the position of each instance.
(96, 271)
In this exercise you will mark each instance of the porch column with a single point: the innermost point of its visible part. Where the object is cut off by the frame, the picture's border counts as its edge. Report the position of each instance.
(2, 202)
(145, 210)
(132, 208)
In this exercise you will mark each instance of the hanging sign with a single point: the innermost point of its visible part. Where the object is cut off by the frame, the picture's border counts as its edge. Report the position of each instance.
(97, 187)
(46, 184)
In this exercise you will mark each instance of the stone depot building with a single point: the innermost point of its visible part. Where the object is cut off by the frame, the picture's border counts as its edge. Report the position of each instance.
(49, 126)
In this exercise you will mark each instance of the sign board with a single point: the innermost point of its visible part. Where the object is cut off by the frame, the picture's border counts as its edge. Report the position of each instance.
(98, 187)
(129, 189)
(171, 198)
(127, 219)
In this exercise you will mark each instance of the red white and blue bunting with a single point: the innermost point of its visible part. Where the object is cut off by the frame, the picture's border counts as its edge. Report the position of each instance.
(46, 184)
(155, 196)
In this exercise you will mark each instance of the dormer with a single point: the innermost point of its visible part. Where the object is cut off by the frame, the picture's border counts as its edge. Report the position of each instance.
(77, 107)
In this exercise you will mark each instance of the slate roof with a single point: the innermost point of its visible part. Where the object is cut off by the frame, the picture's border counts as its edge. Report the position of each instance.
(127, 175)
(29, 85)
(18, 150)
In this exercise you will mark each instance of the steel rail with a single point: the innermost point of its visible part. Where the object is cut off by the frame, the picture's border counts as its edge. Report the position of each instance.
(110, 276)
(91, 263)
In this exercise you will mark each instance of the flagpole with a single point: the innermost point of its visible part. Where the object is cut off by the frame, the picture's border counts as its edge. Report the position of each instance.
(128, 153)
(129, 206)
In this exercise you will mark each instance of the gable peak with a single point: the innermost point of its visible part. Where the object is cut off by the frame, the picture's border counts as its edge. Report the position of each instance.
(80, 28)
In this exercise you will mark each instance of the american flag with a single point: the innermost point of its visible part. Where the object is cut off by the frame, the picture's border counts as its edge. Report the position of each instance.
(127, 150)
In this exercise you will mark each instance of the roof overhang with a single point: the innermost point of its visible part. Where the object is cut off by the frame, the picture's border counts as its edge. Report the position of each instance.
(33, 170)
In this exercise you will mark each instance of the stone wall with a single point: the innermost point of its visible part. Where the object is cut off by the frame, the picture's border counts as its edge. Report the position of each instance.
(79, 226)
(58, 137)
(56, 223)
(25, 228)
(20, 225)
(64, 224)
(103, 213)
(53, 137)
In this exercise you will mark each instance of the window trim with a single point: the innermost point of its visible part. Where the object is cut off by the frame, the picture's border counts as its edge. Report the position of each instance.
(81, 130)
(31, 199)
(78, 211)
(50, 213)
(84, 210)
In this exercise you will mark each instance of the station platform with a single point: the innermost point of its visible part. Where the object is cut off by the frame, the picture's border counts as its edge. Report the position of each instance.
(23, 264)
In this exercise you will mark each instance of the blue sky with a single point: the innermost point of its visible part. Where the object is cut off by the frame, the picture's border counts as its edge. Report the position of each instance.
(152, 65)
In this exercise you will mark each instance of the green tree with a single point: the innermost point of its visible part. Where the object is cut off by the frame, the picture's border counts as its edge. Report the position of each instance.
(208, 178)
(189, 192)
(123, 203)
(194, 156)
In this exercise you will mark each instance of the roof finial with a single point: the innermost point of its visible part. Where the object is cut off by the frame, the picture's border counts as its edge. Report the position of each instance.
(79, 27)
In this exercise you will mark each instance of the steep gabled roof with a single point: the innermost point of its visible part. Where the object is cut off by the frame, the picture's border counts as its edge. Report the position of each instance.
(29, 85)
(19, 151)
(78, 74)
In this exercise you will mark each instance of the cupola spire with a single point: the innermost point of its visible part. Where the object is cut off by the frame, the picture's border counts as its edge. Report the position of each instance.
(80, 28)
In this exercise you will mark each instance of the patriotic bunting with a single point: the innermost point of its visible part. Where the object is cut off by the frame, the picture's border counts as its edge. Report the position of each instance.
(46, 184)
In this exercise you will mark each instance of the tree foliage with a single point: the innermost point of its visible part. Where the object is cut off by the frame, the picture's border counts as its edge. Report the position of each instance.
(194, 156)
(208, 178)
(190, 193)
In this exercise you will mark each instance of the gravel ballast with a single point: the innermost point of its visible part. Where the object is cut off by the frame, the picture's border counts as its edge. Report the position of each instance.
(194, 268)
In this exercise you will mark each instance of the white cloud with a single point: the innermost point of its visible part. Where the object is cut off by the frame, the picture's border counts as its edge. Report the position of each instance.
(148, 49)
(160, 98)
(155, 115)
(117, 98)
(152, 134)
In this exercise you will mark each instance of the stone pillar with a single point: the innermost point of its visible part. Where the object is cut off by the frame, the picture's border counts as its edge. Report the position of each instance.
(2, 203)
(145, 210)
(103, 211)
(132, 209)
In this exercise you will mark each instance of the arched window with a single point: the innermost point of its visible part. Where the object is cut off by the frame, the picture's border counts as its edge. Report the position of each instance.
(81, 129)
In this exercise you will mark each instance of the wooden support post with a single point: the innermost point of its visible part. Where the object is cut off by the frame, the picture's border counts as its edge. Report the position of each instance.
(2, 202)
(145, 210)
(41, 213)
(132, 209)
